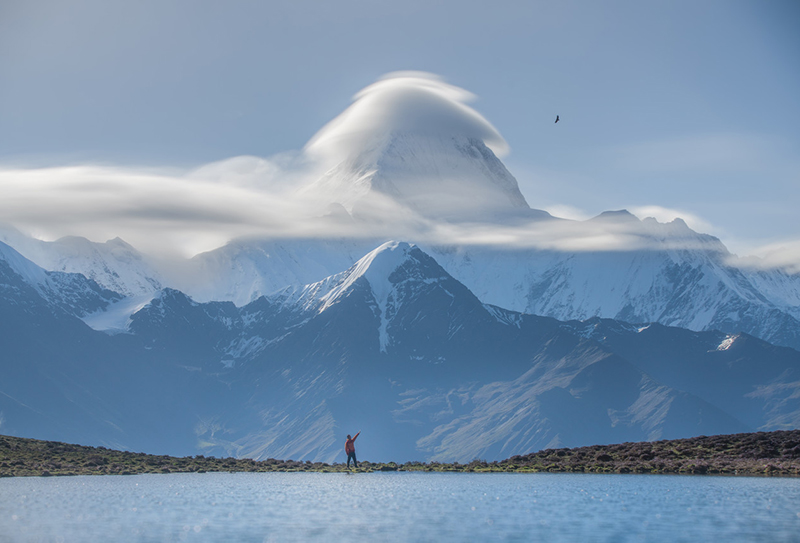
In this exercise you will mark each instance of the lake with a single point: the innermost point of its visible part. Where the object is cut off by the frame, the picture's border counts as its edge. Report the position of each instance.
(264, 507)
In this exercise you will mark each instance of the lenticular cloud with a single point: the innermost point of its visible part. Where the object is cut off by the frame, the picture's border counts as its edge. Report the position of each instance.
(305, 194)
(186, 212)
(409, 102)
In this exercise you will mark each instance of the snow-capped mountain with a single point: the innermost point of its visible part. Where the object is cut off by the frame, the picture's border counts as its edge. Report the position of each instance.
(244, 270)
(681, 278)
(415, 146)
(114, 265)
(450, 176)
(394, 345)
(27, 285)
(412, 139)
(410, 155)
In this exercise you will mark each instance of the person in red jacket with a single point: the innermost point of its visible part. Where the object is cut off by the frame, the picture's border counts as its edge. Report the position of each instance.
(350, 449)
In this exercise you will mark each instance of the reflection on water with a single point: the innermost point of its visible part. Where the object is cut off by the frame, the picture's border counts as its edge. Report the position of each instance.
(398, 507)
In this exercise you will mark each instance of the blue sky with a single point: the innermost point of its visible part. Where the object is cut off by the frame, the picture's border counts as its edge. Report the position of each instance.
(672, 106)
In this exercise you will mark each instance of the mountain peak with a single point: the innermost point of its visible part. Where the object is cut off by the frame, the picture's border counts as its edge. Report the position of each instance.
(412, 139)
(620, 214)
(396, 282)
(377, 268)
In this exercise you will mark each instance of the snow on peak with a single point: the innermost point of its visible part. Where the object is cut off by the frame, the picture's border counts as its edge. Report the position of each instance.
(410, 140)
(114, 265)
(30, 272)
(378, 271)
(376, 267)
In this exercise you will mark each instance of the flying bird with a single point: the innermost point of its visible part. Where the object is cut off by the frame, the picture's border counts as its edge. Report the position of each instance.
(556, 118)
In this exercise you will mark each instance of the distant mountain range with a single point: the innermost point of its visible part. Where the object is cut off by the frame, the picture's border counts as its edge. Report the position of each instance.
(665, 273)
(394, 346)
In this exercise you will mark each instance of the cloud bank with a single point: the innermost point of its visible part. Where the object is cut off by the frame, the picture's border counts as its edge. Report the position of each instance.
(168, 214)
(784, 255)
(178, 214)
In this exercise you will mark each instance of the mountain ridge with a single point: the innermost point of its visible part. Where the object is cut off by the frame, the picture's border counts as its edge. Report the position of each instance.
(452, 378)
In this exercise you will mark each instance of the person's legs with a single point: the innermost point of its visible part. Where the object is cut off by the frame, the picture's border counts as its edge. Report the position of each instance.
(353, 456)
(355, 462)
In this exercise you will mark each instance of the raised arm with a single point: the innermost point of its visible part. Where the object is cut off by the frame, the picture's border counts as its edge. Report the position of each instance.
(355, 436)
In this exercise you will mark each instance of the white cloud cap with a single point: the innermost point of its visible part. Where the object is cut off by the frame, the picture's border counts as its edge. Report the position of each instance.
(409, 102)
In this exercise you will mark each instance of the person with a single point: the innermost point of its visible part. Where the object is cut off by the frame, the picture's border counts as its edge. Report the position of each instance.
(350, 449)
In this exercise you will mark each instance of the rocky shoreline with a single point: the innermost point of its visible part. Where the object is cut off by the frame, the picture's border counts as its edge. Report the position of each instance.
(762, 453)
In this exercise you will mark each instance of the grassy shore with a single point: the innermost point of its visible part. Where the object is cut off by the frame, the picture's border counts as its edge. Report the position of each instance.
(762, 453)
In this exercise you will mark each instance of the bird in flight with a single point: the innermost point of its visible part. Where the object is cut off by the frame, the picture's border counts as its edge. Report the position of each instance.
(556, 118)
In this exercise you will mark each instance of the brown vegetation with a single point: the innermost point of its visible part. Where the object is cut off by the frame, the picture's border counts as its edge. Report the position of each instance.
(762, 453)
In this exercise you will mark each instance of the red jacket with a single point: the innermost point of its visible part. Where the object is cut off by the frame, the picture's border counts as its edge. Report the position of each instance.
(349, 445)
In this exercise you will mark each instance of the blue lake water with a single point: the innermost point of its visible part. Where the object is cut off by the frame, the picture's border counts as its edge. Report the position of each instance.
(398, 507)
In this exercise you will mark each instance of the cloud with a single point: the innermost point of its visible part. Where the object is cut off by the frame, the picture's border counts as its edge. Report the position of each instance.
(172, 213)
(411, 102)
(183, 214)
(784, 255)
(179, 215)
(155, 211)
(281, 173)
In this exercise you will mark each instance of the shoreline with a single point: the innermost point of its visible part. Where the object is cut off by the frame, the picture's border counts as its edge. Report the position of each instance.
(753, 454)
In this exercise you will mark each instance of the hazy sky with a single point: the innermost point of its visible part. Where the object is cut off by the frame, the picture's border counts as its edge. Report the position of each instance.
(688, 106)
